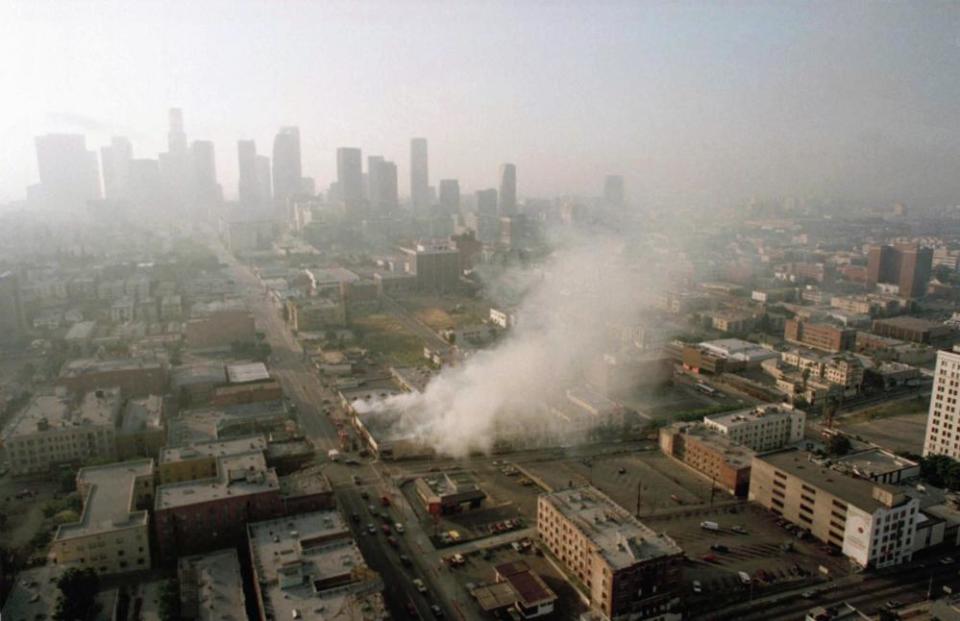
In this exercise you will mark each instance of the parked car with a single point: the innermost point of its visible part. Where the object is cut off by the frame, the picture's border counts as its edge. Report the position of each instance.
(398, 527)
(371, 528)
(436, 610)
(719, 547)
(697, 587)
(947, 560)
(419, 585)
(740, 530)
(406, 560)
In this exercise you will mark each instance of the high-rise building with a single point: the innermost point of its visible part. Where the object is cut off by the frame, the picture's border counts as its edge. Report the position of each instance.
(613, 193)
(373, 180)
(176, 137)
(943, 419)
(488, 222)
(419, 175)
(906, 265)
(12, 321)
(115, 165)
(263, 179)
(508, 190)
(350, 178)
(287, 170)
(450, 196)
(206, 190)
(248, 187)
(69, 173)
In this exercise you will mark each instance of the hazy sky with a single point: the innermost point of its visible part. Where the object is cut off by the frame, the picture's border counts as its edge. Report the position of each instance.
(697, 101)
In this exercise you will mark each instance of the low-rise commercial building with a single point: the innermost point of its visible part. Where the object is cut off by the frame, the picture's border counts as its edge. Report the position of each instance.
(627, 570)
(821, 336)
(761, 428)
(533, 598)
(915, 330)
(51, 430)
(449, 492)
(309, 567)
(874, 524)
(709, 453)
(113, 533)
(879, 465)
(199, 461)
(136, 377)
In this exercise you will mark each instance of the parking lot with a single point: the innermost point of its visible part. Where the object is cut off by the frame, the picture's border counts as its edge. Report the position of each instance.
(714, 557)
(662, 485)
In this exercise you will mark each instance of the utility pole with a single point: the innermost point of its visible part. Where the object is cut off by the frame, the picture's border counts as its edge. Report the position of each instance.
(639, 493)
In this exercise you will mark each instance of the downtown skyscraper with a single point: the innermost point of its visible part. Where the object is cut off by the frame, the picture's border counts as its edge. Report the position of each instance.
(419, 176)
(69, 173)
(508, 190)
(287, 171)
(350, 179)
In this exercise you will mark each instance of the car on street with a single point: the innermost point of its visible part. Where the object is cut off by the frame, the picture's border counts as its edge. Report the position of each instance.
(709, 558)
(719, 547)
(399, 527)
(385, 528)
(740, 530)
(893, 604)
(808, 595)
(393, 541)
(406, 560)
(412, 611)
(419, 585)
(697, 587)
(947, 560)
(371, 528)
(436, 610)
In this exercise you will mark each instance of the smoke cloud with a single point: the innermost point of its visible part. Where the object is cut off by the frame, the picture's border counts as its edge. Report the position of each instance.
(589, 284)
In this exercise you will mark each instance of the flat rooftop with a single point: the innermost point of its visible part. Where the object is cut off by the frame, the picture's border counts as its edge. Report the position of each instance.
(735, 455)
(54, 413)
(247, 372)
(875, 462)
(911, 323)
(213, 583)
(309, 567)
(218, 448)
(109, 503)
(237, 475)
(622, 539)
(85, 366)
(752, 415)
(530, 587)
(858, 492)
(141, 415)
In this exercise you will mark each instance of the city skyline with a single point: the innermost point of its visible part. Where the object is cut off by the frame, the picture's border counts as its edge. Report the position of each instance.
(706, 105)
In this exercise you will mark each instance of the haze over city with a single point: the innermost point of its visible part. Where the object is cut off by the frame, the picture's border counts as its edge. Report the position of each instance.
(692, 103)
(488, 311)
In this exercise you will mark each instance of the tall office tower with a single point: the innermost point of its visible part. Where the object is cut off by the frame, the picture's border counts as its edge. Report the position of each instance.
(508, 190)
(287, 171)
(146, 185)
(450, 196)
(613, 194)
(206, 190)
(176, 137)
(13, 324)
(389, 194)
(69, 174)
(488, 222)
(115, 166)
(350, 179)
(906, 265)
(248, 191)
(419, 175)
(943, 419)
(263, 179)
(373, 181)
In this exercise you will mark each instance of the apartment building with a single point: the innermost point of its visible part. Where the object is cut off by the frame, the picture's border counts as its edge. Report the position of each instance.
(943, 419)
(140, 431)
(53, 430)
(711, 454)
(113, 533)
(197, 516)
(628, 570)
(309, 567)
(874, 524)
(761, 428)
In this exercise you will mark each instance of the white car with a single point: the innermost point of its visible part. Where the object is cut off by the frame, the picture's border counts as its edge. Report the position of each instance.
(399, 528)
(420, 586)
(697, 587)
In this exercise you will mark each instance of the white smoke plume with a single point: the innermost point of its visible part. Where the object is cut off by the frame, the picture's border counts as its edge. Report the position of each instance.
(589, 284)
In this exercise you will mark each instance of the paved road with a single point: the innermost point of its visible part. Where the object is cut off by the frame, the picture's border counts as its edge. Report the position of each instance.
(301, 383)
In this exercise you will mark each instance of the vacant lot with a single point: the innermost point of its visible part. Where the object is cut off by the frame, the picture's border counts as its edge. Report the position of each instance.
(384, 335)
(898, 433)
